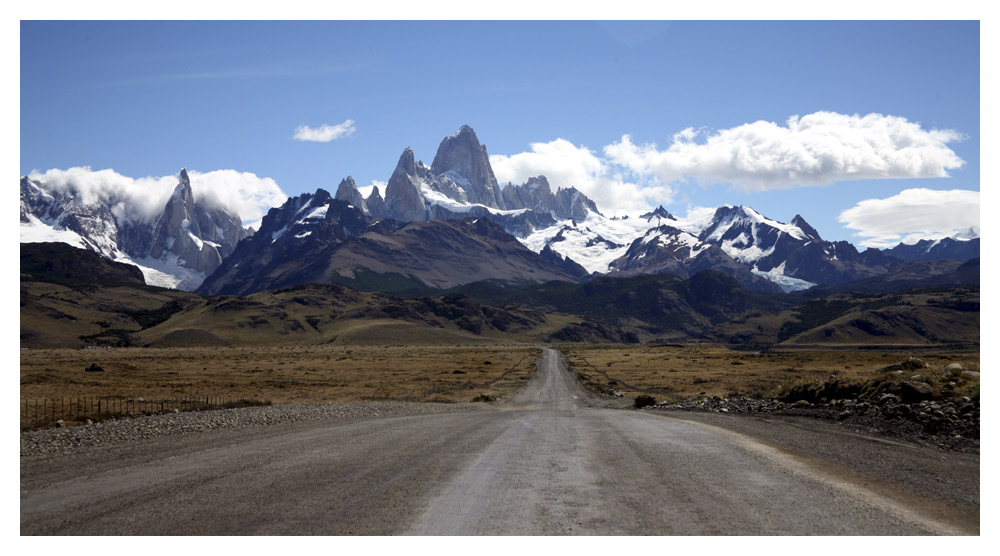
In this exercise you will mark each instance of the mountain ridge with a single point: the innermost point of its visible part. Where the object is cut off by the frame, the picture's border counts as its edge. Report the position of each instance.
(185, 244)
(175, 247)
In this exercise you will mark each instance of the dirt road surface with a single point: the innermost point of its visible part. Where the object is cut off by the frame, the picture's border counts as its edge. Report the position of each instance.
(553, 460)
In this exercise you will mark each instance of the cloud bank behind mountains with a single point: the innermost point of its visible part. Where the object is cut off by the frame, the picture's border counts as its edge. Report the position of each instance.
(816, 149)
(567, 165)
(912, 215)
(811, 150)
(244, 193)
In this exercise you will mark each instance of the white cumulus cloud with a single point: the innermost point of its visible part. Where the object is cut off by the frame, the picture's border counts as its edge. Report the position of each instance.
(131, 198)
(567, 165)
(912, 215)
(815, 149)
(324, 133)
(243, 193)
(367, 190)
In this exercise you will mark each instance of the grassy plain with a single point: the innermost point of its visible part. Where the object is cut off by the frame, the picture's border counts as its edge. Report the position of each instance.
(454, 373)
(676, 373)
(291, 374)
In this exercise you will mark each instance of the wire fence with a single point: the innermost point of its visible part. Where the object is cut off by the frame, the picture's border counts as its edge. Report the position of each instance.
(37, 413)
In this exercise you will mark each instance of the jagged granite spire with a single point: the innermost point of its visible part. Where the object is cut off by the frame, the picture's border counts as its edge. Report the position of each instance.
(403, 197)
(463, 159)
(348, 191)
(191, 233)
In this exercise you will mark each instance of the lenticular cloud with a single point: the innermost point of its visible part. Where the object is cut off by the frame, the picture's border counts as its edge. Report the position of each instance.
(243, 193)
(913, 214)
(816, 149)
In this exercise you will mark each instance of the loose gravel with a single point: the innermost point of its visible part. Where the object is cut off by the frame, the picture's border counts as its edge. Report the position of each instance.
(951, 425)
(65, 439)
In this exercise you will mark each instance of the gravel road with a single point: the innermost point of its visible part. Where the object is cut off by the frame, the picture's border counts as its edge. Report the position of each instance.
(551, 460)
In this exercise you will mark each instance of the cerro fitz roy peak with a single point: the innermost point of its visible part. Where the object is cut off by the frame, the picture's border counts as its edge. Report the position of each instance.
(448, 224)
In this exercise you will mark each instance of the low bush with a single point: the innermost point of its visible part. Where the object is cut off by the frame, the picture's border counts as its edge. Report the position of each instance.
(644, 401)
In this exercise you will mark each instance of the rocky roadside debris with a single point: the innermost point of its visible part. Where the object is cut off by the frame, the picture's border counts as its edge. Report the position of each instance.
(62, 439)
(907, 402)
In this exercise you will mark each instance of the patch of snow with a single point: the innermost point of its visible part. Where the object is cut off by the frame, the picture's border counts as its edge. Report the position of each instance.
(301, 235)
(754, 220)
(317, 213)
(969, 234)
(166, 273)
(460, 180)
(676, 241)
(786, 283)
(695, 245)
(789, 229)
(745, 255)
(37, 231)
(304, 207)
(197, 240)
(433, 197)
(576, 236)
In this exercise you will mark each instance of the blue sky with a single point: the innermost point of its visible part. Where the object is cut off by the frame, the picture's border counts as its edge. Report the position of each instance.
(146, 98)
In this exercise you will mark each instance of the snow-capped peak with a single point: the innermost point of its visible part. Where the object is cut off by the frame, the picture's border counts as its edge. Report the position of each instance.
(731, 222)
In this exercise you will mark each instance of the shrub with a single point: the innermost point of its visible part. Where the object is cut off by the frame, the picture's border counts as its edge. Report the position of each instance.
(644, 401)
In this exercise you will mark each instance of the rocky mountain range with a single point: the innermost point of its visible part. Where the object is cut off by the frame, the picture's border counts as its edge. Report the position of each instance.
(71, 297)
(176, 247)
(452, 223)
(317, 238)
(752, 248)
(460, 183)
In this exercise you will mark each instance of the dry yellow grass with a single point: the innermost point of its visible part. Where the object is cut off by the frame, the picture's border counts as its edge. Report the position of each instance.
(279, 374)
(456, 373)
(679, 373)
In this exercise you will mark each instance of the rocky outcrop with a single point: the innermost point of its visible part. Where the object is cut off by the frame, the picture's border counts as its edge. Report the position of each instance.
(568, 265)
(404, 200)
(593, 332)
(348, 191)
(536, 195)
(64, 264)
(292, 246)
(375, 204)
(929, 250)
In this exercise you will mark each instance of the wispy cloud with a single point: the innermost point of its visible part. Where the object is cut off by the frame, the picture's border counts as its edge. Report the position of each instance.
(324, 133)
(912, 215)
